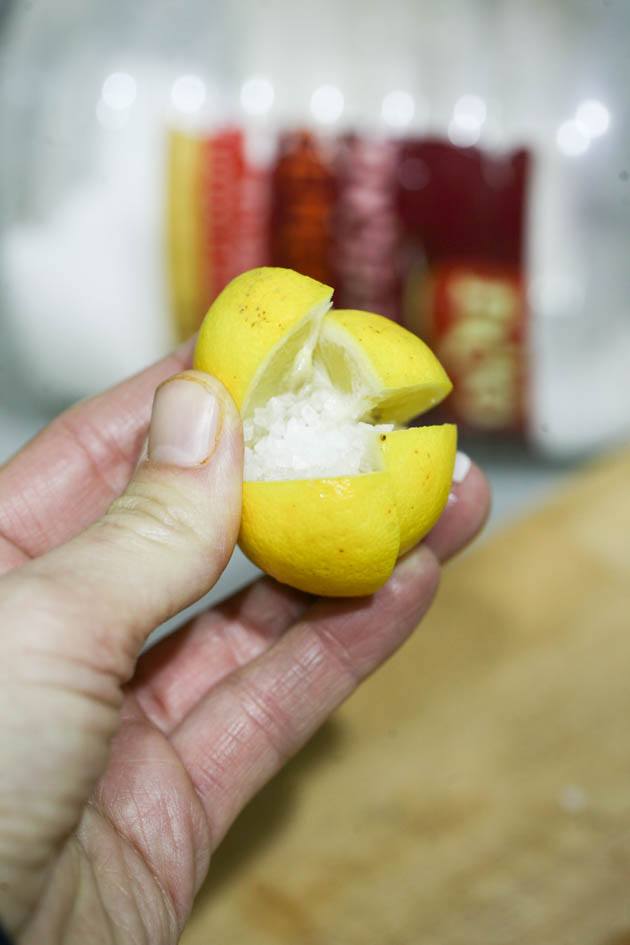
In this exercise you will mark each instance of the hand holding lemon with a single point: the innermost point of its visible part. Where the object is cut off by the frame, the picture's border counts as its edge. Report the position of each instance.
(123, 770)
(336, 488)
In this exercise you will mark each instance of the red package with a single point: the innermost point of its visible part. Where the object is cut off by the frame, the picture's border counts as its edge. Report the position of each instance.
(476, 321)
(218, 219)
(235, 202)
(303, 201)
(367, 232)
(463, 213)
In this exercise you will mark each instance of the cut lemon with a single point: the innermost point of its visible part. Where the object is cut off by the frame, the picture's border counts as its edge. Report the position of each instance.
(336, 488)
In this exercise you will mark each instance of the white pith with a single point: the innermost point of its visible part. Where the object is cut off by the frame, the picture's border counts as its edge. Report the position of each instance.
(311, 432)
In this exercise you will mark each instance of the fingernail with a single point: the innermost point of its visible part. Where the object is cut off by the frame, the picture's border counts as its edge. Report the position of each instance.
(414, 561)
(184, 424)
(462, 467)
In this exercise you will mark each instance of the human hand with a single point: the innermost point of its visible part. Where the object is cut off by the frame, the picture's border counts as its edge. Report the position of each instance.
(120, 774)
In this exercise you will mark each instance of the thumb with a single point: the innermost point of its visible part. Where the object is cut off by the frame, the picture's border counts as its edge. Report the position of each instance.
(74, 620)
(166, 540)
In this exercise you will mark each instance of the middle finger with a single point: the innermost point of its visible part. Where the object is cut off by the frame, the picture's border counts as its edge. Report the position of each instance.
(174, 675)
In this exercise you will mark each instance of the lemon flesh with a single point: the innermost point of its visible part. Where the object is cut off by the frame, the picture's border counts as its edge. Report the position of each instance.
(335, 487)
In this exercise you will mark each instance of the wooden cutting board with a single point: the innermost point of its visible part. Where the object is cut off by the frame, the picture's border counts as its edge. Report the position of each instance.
(477, 789)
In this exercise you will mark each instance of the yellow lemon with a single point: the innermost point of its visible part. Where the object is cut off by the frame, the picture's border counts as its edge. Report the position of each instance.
(336, 488)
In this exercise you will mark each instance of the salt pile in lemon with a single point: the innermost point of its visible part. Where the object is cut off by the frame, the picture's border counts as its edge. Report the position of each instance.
(312, 432)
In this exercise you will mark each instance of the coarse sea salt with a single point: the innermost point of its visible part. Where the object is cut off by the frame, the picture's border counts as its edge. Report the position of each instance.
(310, 433)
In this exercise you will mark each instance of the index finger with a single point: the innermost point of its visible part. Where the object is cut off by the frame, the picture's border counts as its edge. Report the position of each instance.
(68, 475)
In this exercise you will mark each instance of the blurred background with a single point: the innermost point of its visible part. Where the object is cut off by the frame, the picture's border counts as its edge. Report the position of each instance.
(464, 168)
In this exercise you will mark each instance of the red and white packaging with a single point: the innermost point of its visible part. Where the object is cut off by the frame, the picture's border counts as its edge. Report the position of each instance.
(367, 235)
(303, 202)
(463, 212)
(235, 200)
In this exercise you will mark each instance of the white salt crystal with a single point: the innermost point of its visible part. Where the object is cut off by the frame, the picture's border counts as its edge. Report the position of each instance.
(311, 432)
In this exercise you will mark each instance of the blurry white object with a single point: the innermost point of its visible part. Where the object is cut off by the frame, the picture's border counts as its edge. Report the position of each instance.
(84, 279)
(579, 240)
(82, 164)
(327, 103)
(85, 289)
(83, 262)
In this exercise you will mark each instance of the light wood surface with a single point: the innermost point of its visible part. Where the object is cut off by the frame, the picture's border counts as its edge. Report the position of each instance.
(476, 791)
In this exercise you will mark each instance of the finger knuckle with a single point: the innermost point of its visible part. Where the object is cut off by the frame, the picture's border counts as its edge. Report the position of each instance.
(157, 513)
